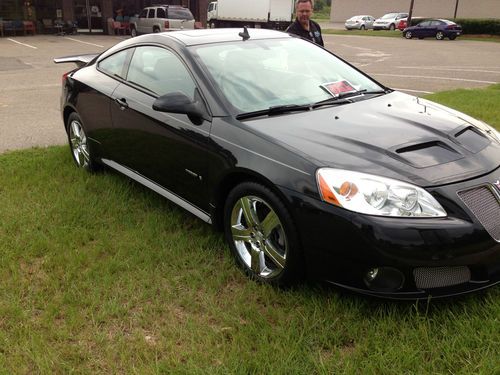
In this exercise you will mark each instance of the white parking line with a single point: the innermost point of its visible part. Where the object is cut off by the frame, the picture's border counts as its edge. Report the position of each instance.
(79, 41)
(449, 69)
(408, 90)
(432, 77)
(24, 44)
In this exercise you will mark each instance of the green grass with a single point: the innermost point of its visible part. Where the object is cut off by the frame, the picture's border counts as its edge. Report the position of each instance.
(398, 34)
(480, 103)
(100, 275)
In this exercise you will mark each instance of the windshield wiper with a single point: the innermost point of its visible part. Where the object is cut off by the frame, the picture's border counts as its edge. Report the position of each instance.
(343, 97)
(276, 110)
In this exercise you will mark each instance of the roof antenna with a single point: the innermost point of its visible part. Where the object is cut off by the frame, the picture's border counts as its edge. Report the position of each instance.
(245, 35)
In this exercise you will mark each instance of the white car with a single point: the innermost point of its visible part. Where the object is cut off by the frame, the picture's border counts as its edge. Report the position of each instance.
(388, 21)
(161, 18)
(359, 22)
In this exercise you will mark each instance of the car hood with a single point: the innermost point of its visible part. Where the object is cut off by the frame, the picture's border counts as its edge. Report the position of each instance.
(394, 135)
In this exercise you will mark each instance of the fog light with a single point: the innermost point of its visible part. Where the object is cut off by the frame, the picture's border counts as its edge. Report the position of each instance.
(384, 279)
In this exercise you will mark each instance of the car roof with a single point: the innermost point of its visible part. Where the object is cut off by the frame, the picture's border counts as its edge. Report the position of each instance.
(206, 36)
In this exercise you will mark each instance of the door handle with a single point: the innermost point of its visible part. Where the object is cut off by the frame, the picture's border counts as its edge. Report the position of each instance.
(122, 103)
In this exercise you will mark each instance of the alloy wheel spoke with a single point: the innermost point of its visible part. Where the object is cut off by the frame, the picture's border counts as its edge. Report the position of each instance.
(240, 233)
(85, 152)
(76, 129)
(249, 211)
(74, 142)
(274, 255)
(258, 262)
(81, 157)
(270, 222)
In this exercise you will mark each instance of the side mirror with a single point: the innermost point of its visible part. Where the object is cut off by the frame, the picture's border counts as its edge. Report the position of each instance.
(177, 102)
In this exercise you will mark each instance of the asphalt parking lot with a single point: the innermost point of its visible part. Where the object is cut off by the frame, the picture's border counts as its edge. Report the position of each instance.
(30, 82)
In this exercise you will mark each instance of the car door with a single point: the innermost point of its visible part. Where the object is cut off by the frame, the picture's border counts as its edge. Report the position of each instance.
(150, 22)
(166, 148)
(94, 97)
(369, 22)
(423, 29)
(142, 21)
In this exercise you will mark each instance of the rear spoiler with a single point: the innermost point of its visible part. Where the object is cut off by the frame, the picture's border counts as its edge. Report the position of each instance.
(79, 60)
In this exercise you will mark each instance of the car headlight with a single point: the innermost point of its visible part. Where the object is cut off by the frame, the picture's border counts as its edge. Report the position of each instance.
(375, 195)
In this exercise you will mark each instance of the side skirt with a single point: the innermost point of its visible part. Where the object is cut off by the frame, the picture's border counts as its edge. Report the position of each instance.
(158, 189)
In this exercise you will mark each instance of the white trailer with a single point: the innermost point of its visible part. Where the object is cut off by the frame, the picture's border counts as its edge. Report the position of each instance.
(269, 14)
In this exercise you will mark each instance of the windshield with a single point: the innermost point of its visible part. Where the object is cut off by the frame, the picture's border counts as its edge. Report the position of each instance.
(255, 75)
(390, 15)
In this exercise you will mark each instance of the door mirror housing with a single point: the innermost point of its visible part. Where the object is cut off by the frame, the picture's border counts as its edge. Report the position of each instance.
(177, 102)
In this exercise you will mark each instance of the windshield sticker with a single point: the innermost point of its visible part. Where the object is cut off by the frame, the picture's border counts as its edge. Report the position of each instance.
(338, 87)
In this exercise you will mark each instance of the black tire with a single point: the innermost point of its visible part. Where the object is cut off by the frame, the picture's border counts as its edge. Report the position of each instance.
(262, 236)
(408, 35)
(133, 32)
(452, 37)
(156, 29)
(439, 35)
(79, 145)
(362, 27)
(392, 27)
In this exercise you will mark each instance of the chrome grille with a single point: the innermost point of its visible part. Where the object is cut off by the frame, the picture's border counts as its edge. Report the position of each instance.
(438, 277)
(485, 205)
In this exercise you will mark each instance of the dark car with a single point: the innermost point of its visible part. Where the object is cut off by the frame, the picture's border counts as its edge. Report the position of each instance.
(403, 23)
(438, 29)
(308, 165)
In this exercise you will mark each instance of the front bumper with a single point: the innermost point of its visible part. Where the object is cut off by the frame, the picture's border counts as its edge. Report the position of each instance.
(344, 248)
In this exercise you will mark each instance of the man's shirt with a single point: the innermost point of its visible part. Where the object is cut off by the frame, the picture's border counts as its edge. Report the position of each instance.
(313, 35)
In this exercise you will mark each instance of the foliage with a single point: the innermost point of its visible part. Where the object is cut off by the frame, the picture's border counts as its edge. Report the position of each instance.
(479, 26)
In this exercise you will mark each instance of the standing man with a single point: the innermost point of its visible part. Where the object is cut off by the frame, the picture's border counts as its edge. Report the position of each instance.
(303, 26)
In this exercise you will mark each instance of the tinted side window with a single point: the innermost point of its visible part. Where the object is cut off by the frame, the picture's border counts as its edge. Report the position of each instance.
(144, 13)
(114, 64)
(160, 71)
(151, 13)
(424, 24)
(160, 13)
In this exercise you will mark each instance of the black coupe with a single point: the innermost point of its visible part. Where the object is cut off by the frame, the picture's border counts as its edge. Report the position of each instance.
(308, 165)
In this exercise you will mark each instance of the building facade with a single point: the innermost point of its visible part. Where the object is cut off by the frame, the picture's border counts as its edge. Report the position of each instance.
(344, 9)
(83, 11)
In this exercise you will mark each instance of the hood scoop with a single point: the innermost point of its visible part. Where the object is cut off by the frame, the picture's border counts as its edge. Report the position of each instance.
(472, 139)
(427, 154)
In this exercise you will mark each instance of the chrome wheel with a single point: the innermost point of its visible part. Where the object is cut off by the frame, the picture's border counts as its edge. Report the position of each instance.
(439, 35)
(259, 237)
(408, 35)
(78, 144)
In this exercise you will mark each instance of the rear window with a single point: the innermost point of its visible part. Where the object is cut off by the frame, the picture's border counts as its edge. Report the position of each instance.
(180, 14)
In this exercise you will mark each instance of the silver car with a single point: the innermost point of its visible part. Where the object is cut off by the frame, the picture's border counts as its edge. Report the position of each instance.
(359, 23)
(388, 21)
